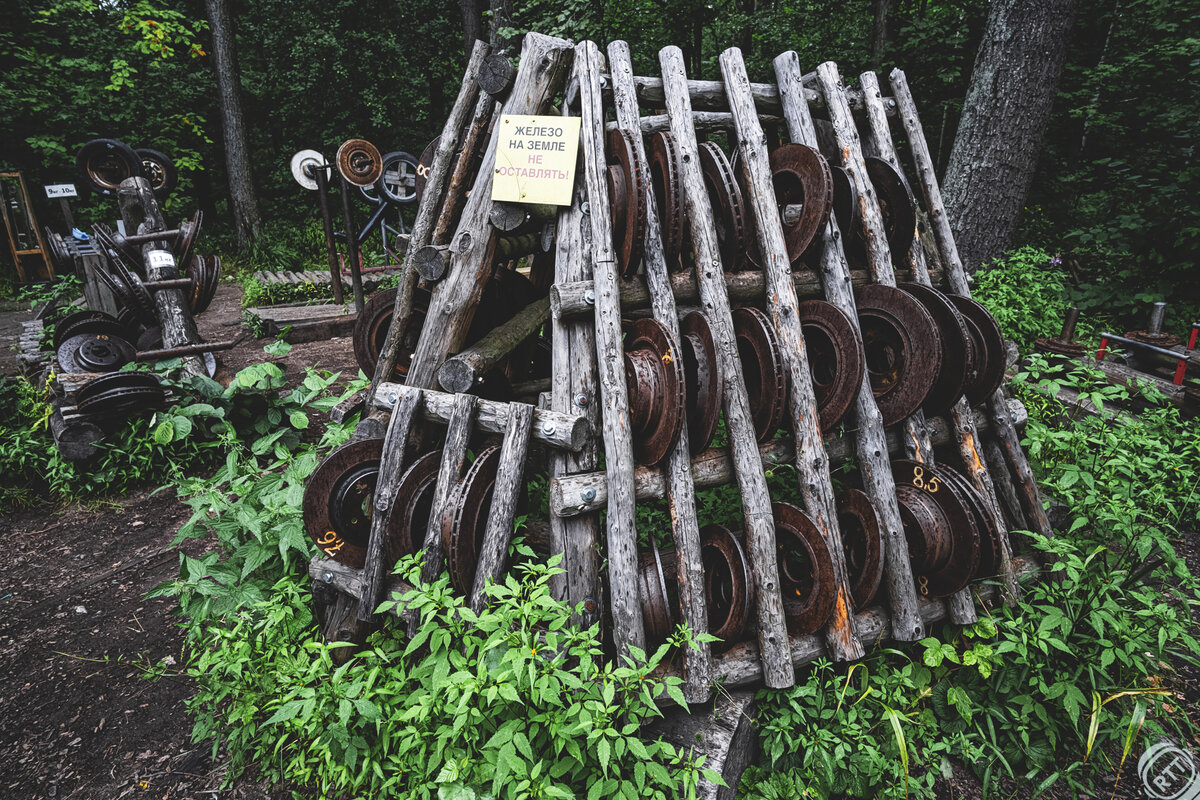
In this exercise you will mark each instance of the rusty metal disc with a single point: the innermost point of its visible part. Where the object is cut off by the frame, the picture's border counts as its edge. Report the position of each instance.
(142, 299)
(338, 501)
(411, 507)
(729, 208)
(206, 277)
(189, 230)
(806, 579)
(1059, 347)
(371, 330)
(424, 164)
(845, 201)
(835, 355)
(629, 237)
(60, 256)
(802, 178)
(985, 522)
(942, 539)
(859, 526)
(902, 347)
(728, 585)
(359, 162)
(762, 368)
(702, 379)
(958, 356)
(108, 244)
(985, 339)
(668, 195)
(1163, 340)
(656, 604)
(119, 395)
(654, 373)
(896, 204)
(94, 352)
(86, 322)
(465, 519)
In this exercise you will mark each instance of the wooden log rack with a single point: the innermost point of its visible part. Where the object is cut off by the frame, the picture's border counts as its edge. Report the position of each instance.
(587, 432)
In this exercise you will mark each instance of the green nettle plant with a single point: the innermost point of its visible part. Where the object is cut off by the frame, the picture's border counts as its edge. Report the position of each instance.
(513, 702)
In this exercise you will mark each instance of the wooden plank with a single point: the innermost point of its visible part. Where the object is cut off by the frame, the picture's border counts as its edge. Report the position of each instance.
(871, 442)
(681, 498)
(544, 62)
(724, 732)
(1028, 491)
(752, 483)
(628, 627)
(454, 457)
(702, 122)
(710, 95)
(812, 462)
(558, 430)
(428, 210)
(573, 391)
(391, 467)
(510, 474)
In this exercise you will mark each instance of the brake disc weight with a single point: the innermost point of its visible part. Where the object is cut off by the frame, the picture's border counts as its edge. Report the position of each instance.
(958, 356)
(806, 580)
(702, 379)
(859, 526)
(902, 347)
(836, 359)
(655, 375)
(762, 368)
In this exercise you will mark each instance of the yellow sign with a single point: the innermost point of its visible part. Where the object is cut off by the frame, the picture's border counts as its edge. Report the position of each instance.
(535, 159)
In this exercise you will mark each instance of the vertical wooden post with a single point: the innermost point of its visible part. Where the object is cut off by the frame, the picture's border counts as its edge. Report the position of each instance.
(812, 462)
(628, 628)
(391, 466)
(428, 212)
(544, 61)
(681, 497)
(454, 455)
(870, 440)
(774, 651)
(493, 552)
(1006, 432)
(574, 391)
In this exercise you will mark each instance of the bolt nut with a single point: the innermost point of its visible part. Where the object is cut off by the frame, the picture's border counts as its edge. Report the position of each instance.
(581, 399)
(589, 494)
(589, 297)
(548, 428)
(585, 207)
(389, 399)
(327, 576)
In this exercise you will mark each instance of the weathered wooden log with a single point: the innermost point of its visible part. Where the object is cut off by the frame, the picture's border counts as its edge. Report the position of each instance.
(514, 247)
(427, 212)
(702, 122)
(496, 75)
(871, 444)
(710, 95)
(812, 463)
(493, 551)
(337, 615)
(348, 407)
(628, 627)
(724, 732)
(455, 298)
(391, 467)
(752, 483)
(574, 387)
(562, 431)
(463, 371)
(140, 212)
(574, 299)
(1030, 494)
(454, 456)
(482, 119)
(1006, 493)
(431, 261)
(587, 491)
(77, 440)
(509, 217)
(99, 297)
(681, 498)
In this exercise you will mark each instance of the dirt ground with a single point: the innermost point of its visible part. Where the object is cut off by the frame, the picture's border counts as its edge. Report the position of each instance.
(76, 634)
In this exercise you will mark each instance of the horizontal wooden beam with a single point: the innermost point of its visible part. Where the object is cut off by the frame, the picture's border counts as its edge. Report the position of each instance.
(710, 96)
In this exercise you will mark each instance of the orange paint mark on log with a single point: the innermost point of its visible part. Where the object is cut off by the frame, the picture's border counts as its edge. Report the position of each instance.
(976, 465)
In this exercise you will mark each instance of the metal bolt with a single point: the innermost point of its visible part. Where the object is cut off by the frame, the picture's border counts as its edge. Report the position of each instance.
(585, 207)
(389, 399)
(589, 604)
(581, 399)
(548, 428)
(589, 297)
(327, 577)
(589, 495)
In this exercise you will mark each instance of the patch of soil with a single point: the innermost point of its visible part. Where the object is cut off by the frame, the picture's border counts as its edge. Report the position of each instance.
(76, 632)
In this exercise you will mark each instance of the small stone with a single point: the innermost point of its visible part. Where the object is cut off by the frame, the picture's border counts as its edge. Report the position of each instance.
(80, 610)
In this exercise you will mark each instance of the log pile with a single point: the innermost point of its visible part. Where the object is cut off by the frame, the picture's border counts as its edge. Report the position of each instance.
(711, 311)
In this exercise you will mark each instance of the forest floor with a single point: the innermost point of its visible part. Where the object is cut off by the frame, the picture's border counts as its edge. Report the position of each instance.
(77, 635)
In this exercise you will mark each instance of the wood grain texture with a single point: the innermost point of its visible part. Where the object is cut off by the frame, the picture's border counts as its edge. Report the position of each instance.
(681, 498)
(460, 373)
(870, 438)
(812, 462)
(748, 468)
(454, 457)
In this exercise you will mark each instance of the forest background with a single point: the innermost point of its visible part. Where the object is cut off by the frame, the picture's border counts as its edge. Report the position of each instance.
(1115, 194)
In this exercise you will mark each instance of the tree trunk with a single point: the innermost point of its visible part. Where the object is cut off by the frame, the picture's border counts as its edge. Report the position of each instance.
(502, 17)
(879, 35)
(472, 14)
(1004, 119)
(246, 216)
